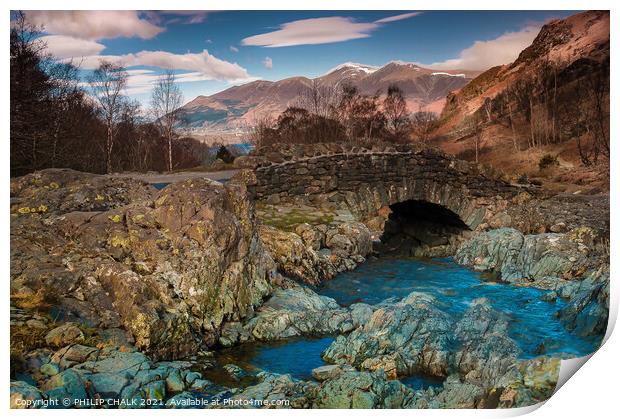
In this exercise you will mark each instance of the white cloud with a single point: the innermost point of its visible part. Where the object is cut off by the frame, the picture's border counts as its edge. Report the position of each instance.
(94, 24)
(234, 49)
(210, 67)
(322, 30)
(485, 54)
(398, 17)
(142, 81)
(268, 63)
(62, 46)
(192, 16)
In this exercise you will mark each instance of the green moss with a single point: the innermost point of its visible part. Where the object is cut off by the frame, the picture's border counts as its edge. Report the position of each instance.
(118, 241)
(117, 218)
(91, 337)
(23, 340)
(290, 219)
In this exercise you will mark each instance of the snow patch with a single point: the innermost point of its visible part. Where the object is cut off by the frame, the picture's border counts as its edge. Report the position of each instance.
(440, 73)
(414, 66)
(368, 69)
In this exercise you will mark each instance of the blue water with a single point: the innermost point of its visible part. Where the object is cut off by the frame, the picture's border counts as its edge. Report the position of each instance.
(295, 356)
(159, 186)
(422, 382)
(534, 325)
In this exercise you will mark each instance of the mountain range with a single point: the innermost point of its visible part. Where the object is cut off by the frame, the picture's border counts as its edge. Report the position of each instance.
(236, 108)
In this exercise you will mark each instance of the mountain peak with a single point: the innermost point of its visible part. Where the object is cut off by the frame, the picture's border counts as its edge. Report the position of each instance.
(355, 67)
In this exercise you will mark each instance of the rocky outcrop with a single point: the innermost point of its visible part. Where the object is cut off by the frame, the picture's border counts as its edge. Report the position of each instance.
(414, 336)
(411, 336)
(275, 391)
(169, 266)
(567, 264)
(530, 382)
(361, 390)
(516, 257)
(587, 311)
(317, 253)
(296, 311)
(119, 377)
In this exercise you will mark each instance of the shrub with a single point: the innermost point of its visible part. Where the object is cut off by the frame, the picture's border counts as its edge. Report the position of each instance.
(548, 160)
(224, 155)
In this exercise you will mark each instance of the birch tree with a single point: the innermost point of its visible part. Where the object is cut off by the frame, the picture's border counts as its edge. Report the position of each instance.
(166, 101)
(107, 83)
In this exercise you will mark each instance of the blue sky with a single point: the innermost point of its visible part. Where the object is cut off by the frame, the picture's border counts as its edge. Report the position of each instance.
(212, 51)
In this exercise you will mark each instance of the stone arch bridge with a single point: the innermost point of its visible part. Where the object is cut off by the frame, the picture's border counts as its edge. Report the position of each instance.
(365, 179)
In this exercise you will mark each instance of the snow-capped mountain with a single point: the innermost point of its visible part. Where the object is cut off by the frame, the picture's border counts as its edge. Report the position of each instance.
(239, 106)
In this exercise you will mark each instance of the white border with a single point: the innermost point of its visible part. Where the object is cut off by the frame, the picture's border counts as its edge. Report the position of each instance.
(592, 393)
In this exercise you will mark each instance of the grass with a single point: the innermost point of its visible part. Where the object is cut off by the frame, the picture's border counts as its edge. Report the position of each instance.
(23, 340)
(288, 219)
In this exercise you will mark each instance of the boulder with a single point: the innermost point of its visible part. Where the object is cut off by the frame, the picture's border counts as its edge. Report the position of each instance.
(275, 390)
(25, 396)
(524, 257)
(293, 311)
(326, 371)
(404, 338)
(63, 335)
(361, 390)
(168, 266)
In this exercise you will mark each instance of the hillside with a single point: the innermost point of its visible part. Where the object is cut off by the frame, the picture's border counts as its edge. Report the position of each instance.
(237, 107)
(540, 104)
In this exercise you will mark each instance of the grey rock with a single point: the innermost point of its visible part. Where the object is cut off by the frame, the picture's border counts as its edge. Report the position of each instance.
(50, 369)
(326, 371)
(25, 396)
(516, 257)
(174, 381)
(361, 390)
(63, 335)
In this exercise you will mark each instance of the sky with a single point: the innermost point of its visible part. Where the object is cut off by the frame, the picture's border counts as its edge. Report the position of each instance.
(211, 51)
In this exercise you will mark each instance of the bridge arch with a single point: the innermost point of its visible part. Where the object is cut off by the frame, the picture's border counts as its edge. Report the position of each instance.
(367, 179)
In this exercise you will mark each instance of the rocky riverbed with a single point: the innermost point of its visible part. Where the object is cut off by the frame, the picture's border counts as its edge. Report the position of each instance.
(129, 296)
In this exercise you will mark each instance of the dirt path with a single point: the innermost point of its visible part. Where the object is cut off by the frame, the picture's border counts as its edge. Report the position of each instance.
(221, 176)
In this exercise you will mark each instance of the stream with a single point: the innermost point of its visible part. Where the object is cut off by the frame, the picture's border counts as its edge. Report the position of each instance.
(534, 325)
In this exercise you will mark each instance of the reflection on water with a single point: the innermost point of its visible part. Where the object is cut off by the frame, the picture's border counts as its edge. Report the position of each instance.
(295, 356)
(533, 322)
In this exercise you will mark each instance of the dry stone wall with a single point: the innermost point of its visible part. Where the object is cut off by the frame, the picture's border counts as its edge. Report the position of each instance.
(367, 178)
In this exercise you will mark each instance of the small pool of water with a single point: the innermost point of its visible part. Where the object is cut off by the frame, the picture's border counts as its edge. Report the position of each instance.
(160, 186)
(533, 321)
(294, 356)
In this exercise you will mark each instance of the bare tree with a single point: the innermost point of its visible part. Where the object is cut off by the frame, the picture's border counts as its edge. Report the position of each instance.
(475, 126)
(422, 124)
(107, 83)
(396, 112)
(166, 99)
(318, 99)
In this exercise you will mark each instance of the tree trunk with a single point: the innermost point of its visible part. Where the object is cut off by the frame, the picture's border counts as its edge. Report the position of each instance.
(169, 152)
(512, 128)
(108, 163)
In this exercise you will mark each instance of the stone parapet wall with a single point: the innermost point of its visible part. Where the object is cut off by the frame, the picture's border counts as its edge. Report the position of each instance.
(374, 176)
